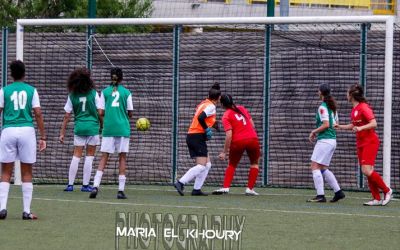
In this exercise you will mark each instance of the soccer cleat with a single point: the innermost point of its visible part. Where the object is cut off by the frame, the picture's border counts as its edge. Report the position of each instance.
(179, 187)
(388, 197)
(3, 214)
(121, 195)
(86, 188)
(221, 191)
(30, 216)
(198, 192)
(373, 203)
(338, 196)
(251, 192)
(318, 198)
(69, 188)
(94, 192)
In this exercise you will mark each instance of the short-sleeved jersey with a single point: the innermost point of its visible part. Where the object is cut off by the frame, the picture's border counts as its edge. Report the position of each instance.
(240, 125)
(326, 114)
(361, 115)
(85, 108)
(18, 99)
(208, 107)
(116, 105)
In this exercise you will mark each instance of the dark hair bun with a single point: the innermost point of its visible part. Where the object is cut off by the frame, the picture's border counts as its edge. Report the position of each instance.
(216, 86)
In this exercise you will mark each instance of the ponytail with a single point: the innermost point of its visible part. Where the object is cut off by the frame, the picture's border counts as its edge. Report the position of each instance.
(116, 77)
(356, 91)
(331, 103)
(227, 102)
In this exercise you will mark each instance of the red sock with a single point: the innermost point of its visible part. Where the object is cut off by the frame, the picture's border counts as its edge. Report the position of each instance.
(229, 173)
(374, 189)
(379, 182)
(253, 173)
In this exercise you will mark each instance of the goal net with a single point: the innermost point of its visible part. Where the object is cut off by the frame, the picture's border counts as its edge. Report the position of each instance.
(272, 66)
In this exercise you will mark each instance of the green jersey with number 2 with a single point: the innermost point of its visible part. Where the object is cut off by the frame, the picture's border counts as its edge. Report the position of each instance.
(18, 105)
(116, 120)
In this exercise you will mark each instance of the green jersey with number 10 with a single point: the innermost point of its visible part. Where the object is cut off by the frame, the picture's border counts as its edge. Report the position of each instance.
(116, 106)
(17, 104)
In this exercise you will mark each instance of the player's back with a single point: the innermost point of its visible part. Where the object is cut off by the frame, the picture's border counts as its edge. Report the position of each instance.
(116, 120)
(85, 112)
(18, 98)
(240, 124)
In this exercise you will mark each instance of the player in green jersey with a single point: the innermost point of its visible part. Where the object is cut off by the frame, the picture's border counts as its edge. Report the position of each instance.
(18, 138)
(116, 110)
(83, 101)
(325, 133)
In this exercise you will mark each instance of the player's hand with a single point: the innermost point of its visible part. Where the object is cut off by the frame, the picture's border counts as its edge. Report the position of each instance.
(61, 139)
(42, 145)
(222, 156)
(357, 129)
(337, 126)
(312, 137)
(209, 133)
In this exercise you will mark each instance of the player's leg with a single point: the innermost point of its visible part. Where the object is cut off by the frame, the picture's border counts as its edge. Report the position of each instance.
(197, 149)
(107, 148)
(368, 156)
(6, 173)
(79, 143)
(235, 154)
(27, 190)
(122, 177)
(253, 151)
(88, 165)
(200, 179)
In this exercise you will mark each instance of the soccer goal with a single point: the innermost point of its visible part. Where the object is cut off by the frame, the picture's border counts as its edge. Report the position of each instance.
(273, 66)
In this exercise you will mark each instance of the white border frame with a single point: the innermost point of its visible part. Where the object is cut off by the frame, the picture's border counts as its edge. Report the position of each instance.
(388, 20)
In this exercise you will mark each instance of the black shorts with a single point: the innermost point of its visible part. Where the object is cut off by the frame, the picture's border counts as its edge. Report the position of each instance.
(197, 145)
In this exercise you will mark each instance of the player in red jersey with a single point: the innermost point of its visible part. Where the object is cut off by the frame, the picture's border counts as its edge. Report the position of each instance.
(240, 136)
(363, 123)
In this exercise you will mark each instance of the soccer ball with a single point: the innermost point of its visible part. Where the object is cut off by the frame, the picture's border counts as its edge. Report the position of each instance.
(142, 124)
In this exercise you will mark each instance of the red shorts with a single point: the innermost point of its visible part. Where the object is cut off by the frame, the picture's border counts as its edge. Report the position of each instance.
(367, 154)
(251, 146)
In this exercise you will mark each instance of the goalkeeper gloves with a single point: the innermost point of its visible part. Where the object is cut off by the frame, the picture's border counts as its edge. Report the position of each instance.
(209, 133)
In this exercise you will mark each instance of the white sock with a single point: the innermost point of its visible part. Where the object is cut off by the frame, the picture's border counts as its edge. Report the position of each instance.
(97, 178)
(191, 173)
(318, 181)
(331, 180)
(199, 181)
(121, 185)
(73, 168)
(87, 170)
(27, 189)
(4, 189)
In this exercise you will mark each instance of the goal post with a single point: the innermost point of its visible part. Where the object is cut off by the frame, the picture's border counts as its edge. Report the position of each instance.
(388, 21)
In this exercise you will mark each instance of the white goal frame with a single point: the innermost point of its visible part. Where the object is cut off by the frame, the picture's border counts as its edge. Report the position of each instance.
(387, 20)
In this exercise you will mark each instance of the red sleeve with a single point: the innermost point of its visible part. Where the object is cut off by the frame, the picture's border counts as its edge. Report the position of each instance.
(368, 113)
(225, 121)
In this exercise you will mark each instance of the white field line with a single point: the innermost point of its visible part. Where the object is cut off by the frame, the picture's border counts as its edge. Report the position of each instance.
(219, 208)
(234, 193)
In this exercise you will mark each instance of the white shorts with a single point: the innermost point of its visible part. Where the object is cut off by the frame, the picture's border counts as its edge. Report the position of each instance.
(81, 141)
(323, 151)
(18, 143)
(115, 144)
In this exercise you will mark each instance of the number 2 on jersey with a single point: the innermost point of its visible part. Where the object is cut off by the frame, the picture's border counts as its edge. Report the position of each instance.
(19, 99)
(241, 118)
(115, 102)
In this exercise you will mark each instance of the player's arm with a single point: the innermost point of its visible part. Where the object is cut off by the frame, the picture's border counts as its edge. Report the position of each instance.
(129, 106)
(1, 101)
(228, 137)
(371, 125)
(313, 134)
(66, 119)
(39, 120)
(344, 127)
(68, 109)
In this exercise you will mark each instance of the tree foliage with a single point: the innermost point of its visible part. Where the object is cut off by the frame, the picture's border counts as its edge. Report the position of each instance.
(11, 10)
